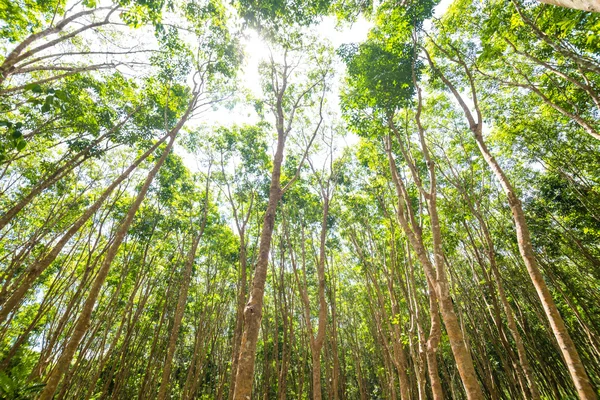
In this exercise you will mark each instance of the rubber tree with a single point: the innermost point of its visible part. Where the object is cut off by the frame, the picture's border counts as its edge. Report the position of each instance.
(295, 80)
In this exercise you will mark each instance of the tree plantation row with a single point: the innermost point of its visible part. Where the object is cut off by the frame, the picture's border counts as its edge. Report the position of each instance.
(208, 199)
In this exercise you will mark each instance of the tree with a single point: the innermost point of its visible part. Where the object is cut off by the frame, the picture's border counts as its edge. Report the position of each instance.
(284, 100)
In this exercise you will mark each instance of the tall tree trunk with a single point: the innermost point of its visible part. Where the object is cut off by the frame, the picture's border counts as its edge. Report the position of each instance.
(154, 347)
(464, 362)
(418, 349)
(399, 355)
(569, 351)
(287, 327)
(317, 343)
(239, 316)
(253, 309)
(435, 333)
(512, 325)
(126, 317)
(335, 380)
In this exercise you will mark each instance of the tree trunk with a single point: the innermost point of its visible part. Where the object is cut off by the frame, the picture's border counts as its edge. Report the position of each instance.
(239, 317)
(334, 343)
(567, 347)
(317, 343)
(569, 351)
(181, 302)
(512, 325)
(253, 309)
(585, 5)
(464, 362)
(435, 334)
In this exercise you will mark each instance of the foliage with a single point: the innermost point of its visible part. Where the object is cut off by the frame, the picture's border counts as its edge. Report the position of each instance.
(87, 117)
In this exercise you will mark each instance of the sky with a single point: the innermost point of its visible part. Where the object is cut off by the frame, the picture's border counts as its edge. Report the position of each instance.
(257, 50)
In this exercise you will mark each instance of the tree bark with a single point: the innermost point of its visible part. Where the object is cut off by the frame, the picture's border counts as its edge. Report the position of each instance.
(512, 326)
(253, 309)
(584, 5)
(464, 362)
(239, 317)
(317, 341)
(569, 351)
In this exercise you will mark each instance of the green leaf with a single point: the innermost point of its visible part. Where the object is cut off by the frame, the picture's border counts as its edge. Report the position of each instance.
(34, 87)
(45, 108)
(61, 95)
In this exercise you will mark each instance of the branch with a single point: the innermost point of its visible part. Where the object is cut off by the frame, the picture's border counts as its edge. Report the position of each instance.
(305, 155)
